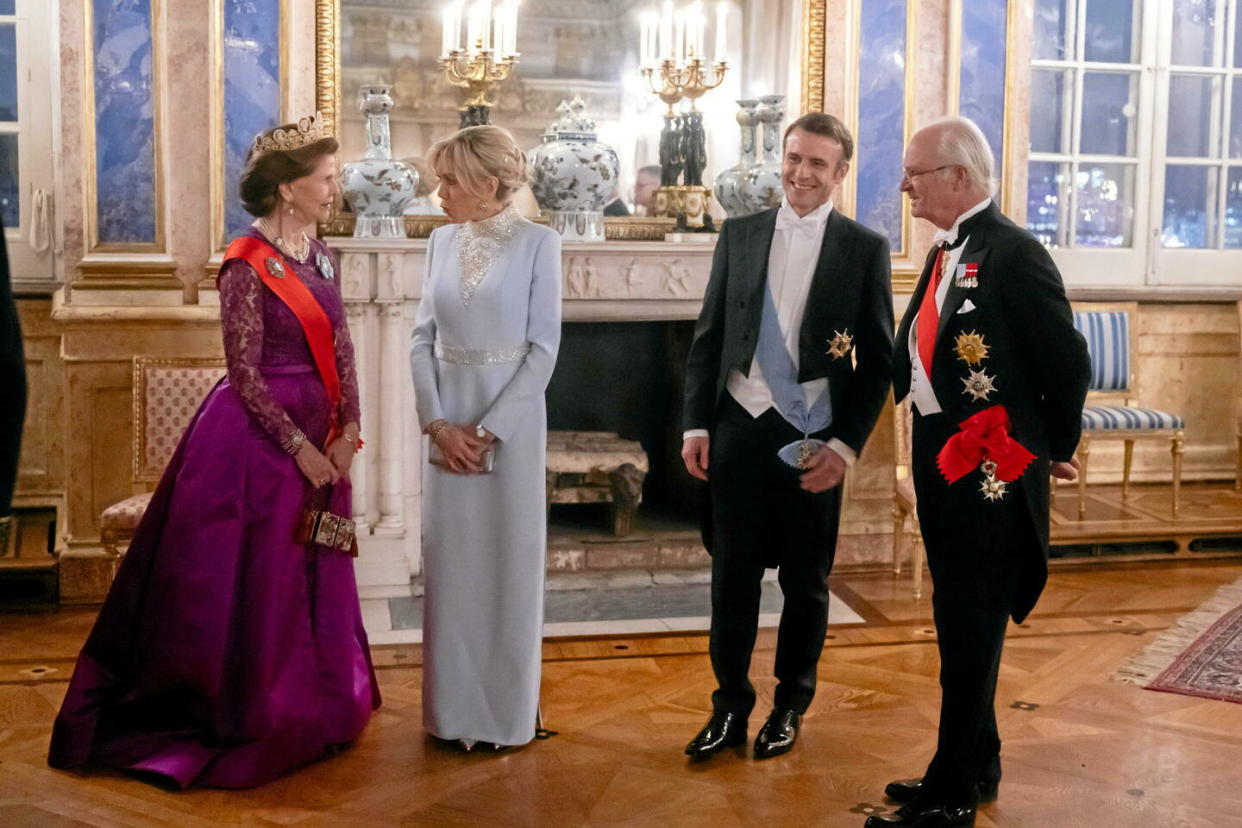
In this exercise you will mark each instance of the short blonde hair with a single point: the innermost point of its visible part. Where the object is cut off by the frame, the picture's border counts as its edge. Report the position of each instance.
(477, 153)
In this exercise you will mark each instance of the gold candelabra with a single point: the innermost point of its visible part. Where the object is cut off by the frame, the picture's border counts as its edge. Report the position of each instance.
(477, 71)
(690, 80)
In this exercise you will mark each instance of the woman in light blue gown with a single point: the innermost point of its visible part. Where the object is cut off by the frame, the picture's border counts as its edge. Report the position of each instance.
(483, 349)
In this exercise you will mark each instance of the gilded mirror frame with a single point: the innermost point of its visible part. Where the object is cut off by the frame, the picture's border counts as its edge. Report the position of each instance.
(640, 228)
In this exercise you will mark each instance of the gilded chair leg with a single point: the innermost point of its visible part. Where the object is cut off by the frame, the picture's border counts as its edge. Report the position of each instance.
(1084, 454)
(1125, 469)
(1177, 472)
(917, 560)
(899, 526)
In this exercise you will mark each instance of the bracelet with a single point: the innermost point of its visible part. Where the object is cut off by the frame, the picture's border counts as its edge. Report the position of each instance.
(435, 434)
(293, 443)
(357, 443)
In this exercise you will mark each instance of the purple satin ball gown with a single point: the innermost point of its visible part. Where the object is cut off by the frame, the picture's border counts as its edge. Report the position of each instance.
(227, 653)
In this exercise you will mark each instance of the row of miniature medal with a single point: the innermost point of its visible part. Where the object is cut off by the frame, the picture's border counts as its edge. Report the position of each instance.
(972, 350)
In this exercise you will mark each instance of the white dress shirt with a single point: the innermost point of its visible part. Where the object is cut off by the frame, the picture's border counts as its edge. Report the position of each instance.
(791, 266)
(921, 391)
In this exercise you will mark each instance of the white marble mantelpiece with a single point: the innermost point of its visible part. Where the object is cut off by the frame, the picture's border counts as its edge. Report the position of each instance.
(381, 281)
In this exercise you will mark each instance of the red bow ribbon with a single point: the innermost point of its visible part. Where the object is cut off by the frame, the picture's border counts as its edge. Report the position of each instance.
(984, 436)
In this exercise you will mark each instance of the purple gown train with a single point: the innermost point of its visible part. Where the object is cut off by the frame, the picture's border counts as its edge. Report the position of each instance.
(226, 653)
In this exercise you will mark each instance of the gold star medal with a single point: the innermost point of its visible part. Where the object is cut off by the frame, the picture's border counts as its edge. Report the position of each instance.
(978, 385)
(970, 348)
(274, 267)
(840, 344)
(992, 487)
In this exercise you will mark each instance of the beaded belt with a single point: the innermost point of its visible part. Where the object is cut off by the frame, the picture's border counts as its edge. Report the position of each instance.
(481, 356)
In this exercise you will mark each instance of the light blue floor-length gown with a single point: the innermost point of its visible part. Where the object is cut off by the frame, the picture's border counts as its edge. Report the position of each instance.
(482, 352)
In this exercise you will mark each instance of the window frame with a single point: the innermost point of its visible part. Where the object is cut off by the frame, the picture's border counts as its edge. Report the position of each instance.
(1210, 266)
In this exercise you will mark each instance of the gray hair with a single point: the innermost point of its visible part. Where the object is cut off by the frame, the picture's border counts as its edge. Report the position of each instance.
(963, 143)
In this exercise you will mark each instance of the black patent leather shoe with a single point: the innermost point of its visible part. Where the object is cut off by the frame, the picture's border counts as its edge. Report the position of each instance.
(925, 816)
(778, 733)
(723, 730)
(905, 790)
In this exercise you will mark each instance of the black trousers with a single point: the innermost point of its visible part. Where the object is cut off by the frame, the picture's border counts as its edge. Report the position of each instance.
(762, 518)
(976, 549)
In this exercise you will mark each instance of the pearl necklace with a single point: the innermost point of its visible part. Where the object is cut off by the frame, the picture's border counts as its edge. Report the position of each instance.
(303, 244)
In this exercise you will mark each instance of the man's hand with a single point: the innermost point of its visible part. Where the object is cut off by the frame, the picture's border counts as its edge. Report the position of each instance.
(694, 455)
(1066, 471)
(825, 470)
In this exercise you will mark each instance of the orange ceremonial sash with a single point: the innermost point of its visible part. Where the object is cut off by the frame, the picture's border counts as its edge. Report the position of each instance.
(298, 297)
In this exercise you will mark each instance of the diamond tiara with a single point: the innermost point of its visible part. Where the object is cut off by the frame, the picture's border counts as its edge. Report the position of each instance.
(308, 130)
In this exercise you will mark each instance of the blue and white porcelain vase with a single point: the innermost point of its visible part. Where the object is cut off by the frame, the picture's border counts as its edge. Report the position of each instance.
(729, 181)
(573, 175)
(377, 187)
(760, 188)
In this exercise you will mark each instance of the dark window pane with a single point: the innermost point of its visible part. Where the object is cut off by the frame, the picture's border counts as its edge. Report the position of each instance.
(1190, 116)
(6, 6)
(1233, 209)
(1046, 200)
(1112, 27)
(1105, 205)
(1050, 20)
(1189, 211)
(1048, 93)
(8, 72)
(1109, 107)
(1235, 118)
(10, 192)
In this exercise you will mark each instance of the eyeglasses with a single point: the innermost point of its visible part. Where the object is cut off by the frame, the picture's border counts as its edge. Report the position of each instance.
(910, 175)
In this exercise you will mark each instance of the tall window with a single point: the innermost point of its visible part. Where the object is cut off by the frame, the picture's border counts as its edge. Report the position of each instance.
(1136, 139)
(26, 205)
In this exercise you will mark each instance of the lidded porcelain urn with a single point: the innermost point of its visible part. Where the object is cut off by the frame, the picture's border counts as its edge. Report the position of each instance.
(573, 175)
(728, 183)
(377, 187)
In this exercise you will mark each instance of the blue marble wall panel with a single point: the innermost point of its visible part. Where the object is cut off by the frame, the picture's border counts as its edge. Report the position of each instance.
(251, 93)
(881, 117)
(982, 88)
(124, 86)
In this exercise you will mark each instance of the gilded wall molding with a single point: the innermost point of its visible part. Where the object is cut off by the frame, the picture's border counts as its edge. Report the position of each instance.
(814, 22)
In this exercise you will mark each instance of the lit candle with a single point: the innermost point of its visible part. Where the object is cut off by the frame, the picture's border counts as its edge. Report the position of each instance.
(446, 34)
(722, 14)
(696, 23)
(499, 16)
(679, 47)
(666, 31)
(511, 28)
(476, 29)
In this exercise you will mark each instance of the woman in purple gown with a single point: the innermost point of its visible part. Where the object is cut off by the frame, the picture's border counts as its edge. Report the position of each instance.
(226, 652)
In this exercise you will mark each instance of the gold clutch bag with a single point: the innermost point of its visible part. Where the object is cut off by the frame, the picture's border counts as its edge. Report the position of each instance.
(327, 529)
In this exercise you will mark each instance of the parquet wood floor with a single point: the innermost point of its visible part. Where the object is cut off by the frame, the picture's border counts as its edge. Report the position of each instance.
(1079, 750)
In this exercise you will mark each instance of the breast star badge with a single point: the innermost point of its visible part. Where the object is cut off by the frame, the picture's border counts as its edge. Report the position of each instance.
(978, 385)
(274, 267)
(840, 343)
(970, 348)
(992, 487)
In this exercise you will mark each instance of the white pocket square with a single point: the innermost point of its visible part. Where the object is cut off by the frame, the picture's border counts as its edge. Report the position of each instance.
(966, 307)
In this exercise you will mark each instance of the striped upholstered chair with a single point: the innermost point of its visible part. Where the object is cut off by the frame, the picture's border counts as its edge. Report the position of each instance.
(1112, 411)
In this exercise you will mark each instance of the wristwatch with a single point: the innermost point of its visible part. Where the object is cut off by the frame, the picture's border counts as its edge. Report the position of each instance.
(480, 431)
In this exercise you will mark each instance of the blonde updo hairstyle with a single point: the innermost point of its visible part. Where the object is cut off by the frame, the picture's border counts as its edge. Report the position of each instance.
(477, 153)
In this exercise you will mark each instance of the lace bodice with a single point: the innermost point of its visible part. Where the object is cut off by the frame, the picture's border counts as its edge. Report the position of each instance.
(260, 331)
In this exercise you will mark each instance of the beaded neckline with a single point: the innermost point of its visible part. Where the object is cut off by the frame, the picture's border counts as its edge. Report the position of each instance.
(480, 243)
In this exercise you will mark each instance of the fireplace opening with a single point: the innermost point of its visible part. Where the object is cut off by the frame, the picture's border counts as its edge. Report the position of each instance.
(626, 378)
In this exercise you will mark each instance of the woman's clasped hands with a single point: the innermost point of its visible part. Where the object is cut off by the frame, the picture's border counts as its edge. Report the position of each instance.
(461, 446)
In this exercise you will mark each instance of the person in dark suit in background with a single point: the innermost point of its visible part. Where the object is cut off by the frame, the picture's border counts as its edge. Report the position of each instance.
(788, 371)
(988, 353)
(13, 381)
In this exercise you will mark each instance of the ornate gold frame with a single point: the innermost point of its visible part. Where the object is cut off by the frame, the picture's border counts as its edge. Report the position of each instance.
(327, 101)
(89, 148)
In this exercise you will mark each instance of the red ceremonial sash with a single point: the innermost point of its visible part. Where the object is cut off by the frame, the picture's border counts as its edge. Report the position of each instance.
(984, 436)
(297, 296)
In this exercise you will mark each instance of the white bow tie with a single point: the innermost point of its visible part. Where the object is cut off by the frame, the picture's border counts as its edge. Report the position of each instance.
(944, 237)
(792, 223)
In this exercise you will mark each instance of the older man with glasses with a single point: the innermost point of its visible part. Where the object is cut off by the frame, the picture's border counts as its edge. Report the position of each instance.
(997, 376)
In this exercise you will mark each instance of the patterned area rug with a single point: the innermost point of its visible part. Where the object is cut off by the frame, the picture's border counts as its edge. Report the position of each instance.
(1201, 656)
